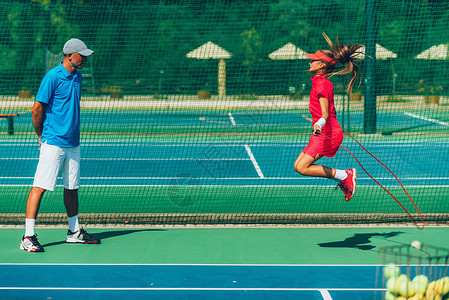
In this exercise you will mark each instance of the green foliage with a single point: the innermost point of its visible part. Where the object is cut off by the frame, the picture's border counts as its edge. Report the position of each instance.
(252, 45)
(138, 40)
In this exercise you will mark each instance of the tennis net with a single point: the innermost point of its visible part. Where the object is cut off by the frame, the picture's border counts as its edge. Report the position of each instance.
(194, 112)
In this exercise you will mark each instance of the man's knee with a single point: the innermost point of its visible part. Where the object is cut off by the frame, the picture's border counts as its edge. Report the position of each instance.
(37, 190)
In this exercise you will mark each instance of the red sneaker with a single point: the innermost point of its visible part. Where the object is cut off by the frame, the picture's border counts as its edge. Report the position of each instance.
(348, 185)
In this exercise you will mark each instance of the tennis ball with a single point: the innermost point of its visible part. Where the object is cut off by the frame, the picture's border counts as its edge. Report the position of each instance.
(404, 285)
(390, 296)
(416, 244)
(446, 285)
(419, 284)
(393, 285)
(391, 270)
(430, 288)
(433, 296)
(442, 286)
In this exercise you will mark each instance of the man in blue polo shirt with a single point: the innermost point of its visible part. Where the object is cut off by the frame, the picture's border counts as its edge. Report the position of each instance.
(56, 120)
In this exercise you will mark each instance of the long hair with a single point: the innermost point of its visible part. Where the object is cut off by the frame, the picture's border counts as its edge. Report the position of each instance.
(345, 57)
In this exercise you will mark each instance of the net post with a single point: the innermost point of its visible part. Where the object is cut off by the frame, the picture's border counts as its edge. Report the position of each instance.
(369, 122)
(11, 125)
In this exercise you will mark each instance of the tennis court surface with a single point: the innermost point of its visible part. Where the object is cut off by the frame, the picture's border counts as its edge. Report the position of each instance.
(205, 263)
(227, 175)
(192, 116)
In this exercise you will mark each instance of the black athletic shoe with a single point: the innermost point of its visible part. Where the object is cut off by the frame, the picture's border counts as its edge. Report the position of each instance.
(81, 236)
(30, 244)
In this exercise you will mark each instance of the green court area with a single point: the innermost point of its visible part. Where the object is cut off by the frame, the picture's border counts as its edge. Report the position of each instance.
(232, 245)
(221, 166)
(187, 204)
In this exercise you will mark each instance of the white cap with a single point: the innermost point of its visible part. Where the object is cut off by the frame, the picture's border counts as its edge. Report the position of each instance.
(76, 46)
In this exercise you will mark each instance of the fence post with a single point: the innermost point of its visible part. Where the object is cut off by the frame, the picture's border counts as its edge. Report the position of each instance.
(369, 121)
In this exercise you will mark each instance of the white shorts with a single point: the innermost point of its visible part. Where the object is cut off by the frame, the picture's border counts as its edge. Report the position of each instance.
(52, 161)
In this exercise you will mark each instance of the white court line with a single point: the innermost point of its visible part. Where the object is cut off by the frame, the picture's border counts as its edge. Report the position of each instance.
(215, 185)
(191, 289)
(427, 119)
(254, 161)
(248, 150)
(233, 178)
(229, 144)
(207, 265)
(325, 294)
(232, 119)
(139, 159)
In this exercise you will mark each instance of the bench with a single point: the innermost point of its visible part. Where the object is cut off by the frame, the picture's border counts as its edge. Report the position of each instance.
(10, 118)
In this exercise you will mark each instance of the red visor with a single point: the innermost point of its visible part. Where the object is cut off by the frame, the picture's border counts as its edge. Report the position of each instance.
(320, 56)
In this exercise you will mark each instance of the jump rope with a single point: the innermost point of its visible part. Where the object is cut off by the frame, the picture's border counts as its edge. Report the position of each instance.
(415, 222)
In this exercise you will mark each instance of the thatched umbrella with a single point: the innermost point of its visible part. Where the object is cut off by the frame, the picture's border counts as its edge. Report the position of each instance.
(381, 52)
(287, 52)
(213, 51)
(440, 52)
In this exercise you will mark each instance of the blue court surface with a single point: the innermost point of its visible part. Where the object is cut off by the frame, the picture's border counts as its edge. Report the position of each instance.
(233, 163)
(251, 161)
(189, 282)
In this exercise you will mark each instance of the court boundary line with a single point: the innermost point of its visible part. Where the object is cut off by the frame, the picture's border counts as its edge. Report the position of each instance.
(225, 185)
(248, 151)
(191, 289)
(228, 143)
(227, 178)
(254, 161)
(136, 159)
(231, 117)
(214, 265)
(325, 294)
(427, 119)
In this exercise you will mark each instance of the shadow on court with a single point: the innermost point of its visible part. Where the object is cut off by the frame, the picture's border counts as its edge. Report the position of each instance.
(361, 241)
(108, 234)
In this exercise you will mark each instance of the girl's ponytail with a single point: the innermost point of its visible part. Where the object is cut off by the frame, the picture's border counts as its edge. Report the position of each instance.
(345, 56)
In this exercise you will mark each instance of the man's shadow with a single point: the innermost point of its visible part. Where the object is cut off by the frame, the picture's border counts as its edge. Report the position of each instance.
(360, 240)
(107, 234)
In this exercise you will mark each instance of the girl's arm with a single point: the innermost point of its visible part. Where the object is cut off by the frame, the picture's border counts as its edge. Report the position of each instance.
(324, 104)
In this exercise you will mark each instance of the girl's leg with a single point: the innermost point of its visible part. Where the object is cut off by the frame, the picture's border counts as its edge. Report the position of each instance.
(304, 165)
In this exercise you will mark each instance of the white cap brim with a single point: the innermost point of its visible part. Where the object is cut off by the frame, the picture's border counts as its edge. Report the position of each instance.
(86, 52)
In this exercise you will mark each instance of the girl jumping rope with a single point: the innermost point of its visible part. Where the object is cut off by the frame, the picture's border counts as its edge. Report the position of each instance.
(327, 134)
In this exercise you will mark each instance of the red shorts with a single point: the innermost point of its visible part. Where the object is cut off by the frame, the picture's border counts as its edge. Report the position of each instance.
(320, 144)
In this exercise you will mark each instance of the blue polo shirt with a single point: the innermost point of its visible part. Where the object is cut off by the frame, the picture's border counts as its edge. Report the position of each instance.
(61, 91)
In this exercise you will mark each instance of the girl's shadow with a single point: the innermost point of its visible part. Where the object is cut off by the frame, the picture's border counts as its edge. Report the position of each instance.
(359, 240)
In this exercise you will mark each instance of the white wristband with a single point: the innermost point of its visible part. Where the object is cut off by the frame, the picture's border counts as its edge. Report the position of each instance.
(321, 122)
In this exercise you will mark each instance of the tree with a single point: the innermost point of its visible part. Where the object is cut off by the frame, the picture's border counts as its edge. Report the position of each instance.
(252, 45)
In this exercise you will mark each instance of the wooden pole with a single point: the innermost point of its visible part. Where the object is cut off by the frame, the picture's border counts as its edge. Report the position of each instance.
(221, 78)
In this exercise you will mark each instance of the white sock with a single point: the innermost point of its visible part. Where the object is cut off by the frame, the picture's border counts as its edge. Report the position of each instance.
(74, 225)
(29, 227)
(340, 175)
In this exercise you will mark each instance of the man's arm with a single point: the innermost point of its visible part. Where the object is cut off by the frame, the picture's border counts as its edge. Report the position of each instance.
(37, 113)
